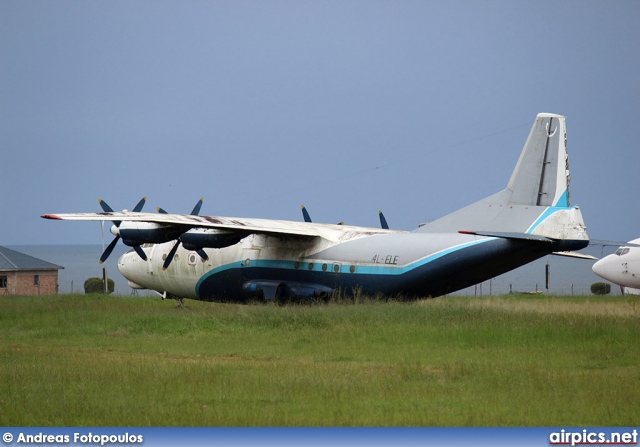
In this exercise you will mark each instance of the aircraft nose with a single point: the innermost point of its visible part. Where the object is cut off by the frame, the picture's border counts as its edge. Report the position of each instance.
(600, 268)
(124, 263)
(127, 268)
(121, 263)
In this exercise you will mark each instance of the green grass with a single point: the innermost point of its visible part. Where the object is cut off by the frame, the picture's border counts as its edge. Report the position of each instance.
(510, 361)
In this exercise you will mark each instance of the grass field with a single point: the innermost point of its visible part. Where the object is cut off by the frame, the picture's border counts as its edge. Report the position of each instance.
(510, 361)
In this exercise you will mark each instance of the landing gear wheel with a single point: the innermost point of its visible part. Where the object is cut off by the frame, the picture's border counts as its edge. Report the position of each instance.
(282, 295)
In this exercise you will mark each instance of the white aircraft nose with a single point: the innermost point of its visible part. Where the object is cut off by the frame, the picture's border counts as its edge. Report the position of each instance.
(600, 267)
(124, 263)
(127, 264)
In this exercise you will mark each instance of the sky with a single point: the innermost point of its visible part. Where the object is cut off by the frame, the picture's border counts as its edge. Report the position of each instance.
(416, 108)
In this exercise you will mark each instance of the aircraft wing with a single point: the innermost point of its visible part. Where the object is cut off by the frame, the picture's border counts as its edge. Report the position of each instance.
(245, 225)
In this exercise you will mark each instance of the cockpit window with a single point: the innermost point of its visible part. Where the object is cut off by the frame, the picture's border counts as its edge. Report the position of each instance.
(622, 251)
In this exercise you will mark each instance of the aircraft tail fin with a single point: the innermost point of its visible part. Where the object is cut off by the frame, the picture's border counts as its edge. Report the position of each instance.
(541, 176)
(536, 199)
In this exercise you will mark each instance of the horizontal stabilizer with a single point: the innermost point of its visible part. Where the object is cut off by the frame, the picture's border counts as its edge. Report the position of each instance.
(507, 235)
(573, 254)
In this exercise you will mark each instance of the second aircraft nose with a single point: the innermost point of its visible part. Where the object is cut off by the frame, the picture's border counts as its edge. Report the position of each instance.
(600, 267)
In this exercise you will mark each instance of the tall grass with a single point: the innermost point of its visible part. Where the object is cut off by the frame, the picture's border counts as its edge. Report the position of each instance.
(93, 360)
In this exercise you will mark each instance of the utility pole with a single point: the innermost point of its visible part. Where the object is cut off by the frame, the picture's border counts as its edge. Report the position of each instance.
(104, 280)
(105, 277)
(547, 275)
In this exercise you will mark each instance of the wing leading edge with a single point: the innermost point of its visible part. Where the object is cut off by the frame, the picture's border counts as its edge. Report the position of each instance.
(245, 225)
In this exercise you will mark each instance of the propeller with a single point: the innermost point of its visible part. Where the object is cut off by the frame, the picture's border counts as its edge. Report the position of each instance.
(307, 217)
(109, 249)
(116, 223)
(171, 254)
(383, 221)
(305, 214)
(174, 249)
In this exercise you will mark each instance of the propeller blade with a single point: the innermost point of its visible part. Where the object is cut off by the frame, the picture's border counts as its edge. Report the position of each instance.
(107, 209)
(109, 249)
(383, 221)
(202, 254)
(140, 204)
(170, 256)
(305, 214)
(196, 209)
(104, 206)
(140, 252)
(194, 212)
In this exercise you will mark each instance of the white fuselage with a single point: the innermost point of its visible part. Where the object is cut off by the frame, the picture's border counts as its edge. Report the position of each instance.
(622, 267)
(183, 275)
(390, 263)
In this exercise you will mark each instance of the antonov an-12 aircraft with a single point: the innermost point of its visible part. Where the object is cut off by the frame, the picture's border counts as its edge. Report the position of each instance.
(239, 259)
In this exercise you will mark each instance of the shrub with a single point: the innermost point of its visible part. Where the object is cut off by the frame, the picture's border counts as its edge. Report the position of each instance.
(601, 288)
(96, 285)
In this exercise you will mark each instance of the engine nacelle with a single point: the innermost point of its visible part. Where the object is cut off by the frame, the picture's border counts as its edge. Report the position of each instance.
(138, 233)
(198, 238)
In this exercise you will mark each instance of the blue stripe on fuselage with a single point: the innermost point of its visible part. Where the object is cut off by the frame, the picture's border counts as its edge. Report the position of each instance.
(563, 201)
(360, 269)
(548, 212)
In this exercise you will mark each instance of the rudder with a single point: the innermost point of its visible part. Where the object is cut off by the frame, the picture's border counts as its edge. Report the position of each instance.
(541, 176)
